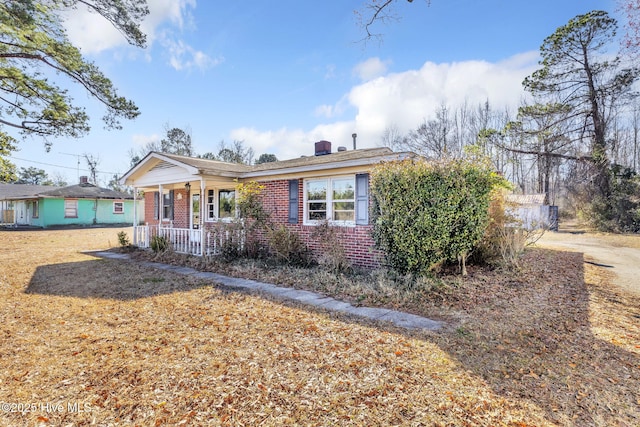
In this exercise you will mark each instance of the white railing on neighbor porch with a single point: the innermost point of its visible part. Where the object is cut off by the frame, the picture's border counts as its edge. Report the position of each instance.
(189, 241)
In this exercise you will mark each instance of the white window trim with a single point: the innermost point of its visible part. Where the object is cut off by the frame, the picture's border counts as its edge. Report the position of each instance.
(75, 207)
(121, 212)
(216, 205)
(163, 206)
(207, 218)
(329, 201)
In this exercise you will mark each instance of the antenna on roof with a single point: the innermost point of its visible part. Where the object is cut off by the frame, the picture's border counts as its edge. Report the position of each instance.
(78, 157)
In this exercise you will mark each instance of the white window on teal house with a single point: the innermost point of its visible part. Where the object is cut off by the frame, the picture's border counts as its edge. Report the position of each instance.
(70, 208)
(36, 209)
(118, 207)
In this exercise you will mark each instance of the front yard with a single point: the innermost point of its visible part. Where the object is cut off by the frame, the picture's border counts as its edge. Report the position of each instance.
(86, 340)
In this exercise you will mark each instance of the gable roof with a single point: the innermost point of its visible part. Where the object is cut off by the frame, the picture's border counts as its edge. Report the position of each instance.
(197, 166)
(80, 191)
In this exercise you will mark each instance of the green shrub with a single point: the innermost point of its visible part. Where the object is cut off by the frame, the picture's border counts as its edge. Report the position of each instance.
(123, 240)
(620, 211)
(426, 213)
(287, 247)
(159, 244)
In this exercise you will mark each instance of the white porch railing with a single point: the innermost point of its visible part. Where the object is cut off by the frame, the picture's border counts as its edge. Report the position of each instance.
(187, 240)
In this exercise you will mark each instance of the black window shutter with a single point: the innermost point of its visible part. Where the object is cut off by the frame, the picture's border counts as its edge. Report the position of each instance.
(171, 204)
(362, 199)
(156, 205)
(293, 201)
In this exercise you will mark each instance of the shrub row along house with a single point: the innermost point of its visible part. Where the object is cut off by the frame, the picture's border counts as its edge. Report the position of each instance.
(191, 201)
(48, 206)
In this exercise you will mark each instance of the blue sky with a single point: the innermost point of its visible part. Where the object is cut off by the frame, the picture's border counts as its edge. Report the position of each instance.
(281, 75)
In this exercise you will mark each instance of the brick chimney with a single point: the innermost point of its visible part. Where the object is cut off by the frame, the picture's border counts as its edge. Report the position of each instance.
(84, 180)
(323, 147)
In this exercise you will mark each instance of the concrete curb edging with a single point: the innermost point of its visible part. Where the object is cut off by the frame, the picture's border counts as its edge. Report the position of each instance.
(397, 318)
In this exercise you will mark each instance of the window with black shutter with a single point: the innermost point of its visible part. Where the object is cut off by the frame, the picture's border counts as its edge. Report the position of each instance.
(293, 201)
(362, 199)
(156, 205)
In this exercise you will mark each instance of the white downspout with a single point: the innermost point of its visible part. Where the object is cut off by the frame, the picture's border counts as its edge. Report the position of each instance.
(135, 216)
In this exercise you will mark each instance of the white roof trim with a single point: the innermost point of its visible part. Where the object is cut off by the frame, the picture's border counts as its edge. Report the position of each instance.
(327, 166)
(154, 155)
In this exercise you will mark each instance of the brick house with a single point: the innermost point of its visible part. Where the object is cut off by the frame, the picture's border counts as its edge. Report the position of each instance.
(191, 201)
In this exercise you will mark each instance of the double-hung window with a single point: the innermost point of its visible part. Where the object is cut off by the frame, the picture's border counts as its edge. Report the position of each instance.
(330, 199)
(118, 207)
(70, 208)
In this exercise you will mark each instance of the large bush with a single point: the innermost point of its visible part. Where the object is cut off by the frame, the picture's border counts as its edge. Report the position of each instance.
(426, 213)
(620, 212)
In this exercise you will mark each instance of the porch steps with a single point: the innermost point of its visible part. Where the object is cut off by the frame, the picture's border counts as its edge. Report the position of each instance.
(397, 318)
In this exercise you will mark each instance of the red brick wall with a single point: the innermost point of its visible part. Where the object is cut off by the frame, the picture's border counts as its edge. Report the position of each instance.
(149, 205)
(356, 240)
(180, 209)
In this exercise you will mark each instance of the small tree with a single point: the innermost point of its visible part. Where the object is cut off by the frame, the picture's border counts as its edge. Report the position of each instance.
(33, 176)
(177, 141)
(266, 158)
(426, 213)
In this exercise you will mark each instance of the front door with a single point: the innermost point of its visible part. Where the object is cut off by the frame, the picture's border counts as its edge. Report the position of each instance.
(195, 211)
(22, 213)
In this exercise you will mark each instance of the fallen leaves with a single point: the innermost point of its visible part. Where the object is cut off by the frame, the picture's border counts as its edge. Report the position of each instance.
(521, 349)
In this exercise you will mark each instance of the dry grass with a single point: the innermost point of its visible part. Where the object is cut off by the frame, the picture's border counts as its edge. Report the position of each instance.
(549, 345)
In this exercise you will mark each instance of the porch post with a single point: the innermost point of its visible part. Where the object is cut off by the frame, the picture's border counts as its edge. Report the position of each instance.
(135, 216)
(160, 205)
(203, 244)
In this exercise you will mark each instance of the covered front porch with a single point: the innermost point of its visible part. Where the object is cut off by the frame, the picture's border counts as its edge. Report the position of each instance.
(189, 202)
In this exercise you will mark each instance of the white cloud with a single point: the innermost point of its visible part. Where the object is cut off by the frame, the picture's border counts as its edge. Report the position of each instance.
(94, 34)
(370, 69)
(404, 100)
(184, 57)
(328, 111)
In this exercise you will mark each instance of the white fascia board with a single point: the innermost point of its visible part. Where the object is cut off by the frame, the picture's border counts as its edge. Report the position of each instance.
(327, 166)
(153, 155)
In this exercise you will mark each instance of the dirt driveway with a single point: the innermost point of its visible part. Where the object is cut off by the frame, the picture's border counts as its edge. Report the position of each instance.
(618, 254)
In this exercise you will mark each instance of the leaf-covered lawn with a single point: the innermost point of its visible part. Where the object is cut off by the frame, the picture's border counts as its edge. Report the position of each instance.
(551, 345)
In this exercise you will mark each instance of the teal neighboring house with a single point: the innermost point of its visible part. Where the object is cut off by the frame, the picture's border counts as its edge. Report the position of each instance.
(82, 204)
